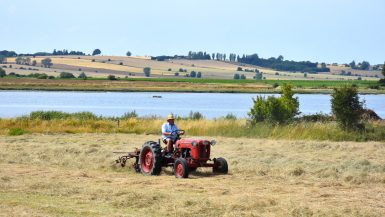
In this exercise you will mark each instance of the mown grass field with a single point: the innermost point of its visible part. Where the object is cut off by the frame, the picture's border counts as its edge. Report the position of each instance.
(74, 175)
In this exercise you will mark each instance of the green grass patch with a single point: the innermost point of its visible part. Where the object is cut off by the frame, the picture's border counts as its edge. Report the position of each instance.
(16, 132)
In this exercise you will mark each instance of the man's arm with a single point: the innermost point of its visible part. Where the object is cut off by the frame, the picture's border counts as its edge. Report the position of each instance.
(164, 131)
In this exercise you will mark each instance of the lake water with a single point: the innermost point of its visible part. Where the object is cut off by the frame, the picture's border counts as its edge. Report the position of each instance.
(211, 105)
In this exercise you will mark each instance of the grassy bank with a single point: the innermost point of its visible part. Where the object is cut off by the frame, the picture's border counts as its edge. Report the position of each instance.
(44, 122)
(74, 175)
(184, 85)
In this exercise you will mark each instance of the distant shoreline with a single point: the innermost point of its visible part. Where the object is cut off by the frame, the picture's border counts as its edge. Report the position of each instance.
(181, 86)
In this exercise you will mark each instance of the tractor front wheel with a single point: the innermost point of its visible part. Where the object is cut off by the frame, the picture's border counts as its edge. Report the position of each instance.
(221, 166)
(150, 159)
(181, 168)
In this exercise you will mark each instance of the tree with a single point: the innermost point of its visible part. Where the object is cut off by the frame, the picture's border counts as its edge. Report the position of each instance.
(66, 75)
(128, 53)
(147, 71)
(199, 75)
(96, 52)
(243, 77)
(83, 76)
(34, 63)
(383, 70)
(275, 110)
(47, 62)
(2, 73)
(112, 77)
(193, 74)
(353, 64)
(239, 69)
(258, 76)
(365, 65)
(2, 59)
(323, 65)
(346, 107)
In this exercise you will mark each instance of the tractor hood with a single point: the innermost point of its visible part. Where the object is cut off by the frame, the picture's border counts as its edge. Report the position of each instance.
(196, 140)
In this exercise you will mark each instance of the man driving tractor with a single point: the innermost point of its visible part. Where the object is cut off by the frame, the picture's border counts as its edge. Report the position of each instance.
(168, 133)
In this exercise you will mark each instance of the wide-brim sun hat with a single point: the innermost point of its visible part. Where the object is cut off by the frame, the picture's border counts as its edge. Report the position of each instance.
(170, 117)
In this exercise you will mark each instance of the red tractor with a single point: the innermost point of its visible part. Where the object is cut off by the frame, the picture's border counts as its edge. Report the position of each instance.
(188, 155)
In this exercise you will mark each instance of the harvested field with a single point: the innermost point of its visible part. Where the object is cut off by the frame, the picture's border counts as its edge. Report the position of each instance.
(73, 175)
(101, 66)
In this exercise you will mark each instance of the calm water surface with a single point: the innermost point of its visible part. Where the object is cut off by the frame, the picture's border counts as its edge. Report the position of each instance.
(212, 105)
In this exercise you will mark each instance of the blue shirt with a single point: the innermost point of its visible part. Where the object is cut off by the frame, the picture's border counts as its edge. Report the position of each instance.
(168, 128)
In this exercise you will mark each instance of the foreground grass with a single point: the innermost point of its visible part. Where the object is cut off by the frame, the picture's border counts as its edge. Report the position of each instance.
(375, 131)
(74, 175)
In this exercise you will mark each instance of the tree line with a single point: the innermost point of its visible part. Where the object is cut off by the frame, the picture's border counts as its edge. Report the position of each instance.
(283, 65)
(365, 65)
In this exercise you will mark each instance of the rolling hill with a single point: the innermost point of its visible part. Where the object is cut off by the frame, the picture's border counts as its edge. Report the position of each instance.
(122, 66)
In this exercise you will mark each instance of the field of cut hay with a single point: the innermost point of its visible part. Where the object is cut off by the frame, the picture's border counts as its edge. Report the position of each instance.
(74, 175)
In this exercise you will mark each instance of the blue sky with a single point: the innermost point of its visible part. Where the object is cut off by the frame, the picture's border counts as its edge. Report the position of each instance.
(319, 30)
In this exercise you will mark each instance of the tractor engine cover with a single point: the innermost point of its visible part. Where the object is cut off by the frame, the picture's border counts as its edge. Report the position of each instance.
(198, 149)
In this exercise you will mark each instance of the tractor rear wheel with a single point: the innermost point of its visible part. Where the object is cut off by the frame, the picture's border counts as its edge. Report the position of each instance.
(150, 159)
(181, 168)
(221, 166)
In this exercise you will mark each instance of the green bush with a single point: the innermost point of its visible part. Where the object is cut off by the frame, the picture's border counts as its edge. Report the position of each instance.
(2, 73)
(199, 74)
(42, 76)
(318, 117)
(16, 132)
(52, 115)
(275, 110)
(82, 76)
(147, 71)
(347, 108)
(112, 77)
(66, 75)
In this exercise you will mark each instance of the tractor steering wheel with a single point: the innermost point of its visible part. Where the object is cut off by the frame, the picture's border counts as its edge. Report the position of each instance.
(177, 133)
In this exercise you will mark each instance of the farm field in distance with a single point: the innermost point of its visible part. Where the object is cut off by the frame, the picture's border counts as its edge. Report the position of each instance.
(74, 175)
(217, 76)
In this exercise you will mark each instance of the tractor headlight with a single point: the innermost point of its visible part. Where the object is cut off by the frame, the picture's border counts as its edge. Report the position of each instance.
(213, 142)
(194, 144)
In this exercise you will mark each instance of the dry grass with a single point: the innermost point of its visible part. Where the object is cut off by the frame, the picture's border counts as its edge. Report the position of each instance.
(375, 131)
(73, 175)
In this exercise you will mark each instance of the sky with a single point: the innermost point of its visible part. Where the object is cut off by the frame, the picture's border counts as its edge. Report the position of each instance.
(316, 30)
